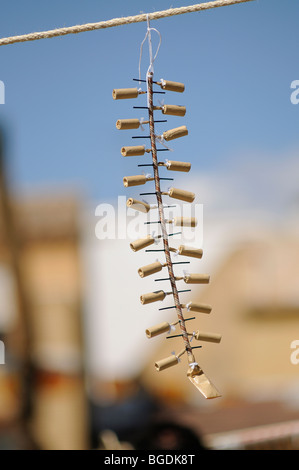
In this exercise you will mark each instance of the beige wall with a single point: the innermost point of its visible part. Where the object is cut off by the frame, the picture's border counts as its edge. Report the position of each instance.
(50, 268)
(258, 319)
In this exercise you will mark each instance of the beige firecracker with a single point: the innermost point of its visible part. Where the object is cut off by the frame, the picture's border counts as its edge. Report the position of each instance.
(138, 205)
(125, 93)
(177, 166)
(152, 268)
(183, 221)
(169, 361)
(166, 363)
(132, 151)
(196, 278)
(136, 180)
(175, 133)
(191, 252)
(180, 194)
(152, 297)
(142, 243)
(205, 336)
(158, 329)
(173, 110)
(197, 307)
(127, 124)
(171, 86)
(187, 251)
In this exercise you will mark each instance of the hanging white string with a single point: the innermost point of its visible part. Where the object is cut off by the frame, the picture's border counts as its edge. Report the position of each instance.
(140, 56)
(148, 36)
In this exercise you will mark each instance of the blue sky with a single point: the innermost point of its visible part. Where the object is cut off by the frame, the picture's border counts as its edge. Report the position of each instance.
(237, 63)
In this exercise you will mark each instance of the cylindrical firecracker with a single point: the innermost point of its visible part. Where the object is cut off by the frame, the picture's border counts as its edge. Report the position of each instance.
(124, 93)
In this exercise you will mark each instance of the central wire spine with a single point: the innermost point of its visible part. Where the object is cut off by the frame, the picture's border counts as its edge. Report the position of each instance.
(162, 219)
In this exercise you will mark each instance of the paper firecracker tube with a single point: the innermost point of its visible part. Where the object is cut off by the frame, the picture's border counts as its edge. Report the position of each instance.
(172, 86)
(181, 194)
(137, 150)
(152, 297)
(185, 221)
(173, 110)
(211, 337)
(178, 166)
(142, 243)
(123, 93)
(167, 362)
(134, 180)
(175, 133)
(202, 383)
(196, 307)
(157, 330)
(197, 278)
(127, 124)
(192, 252)
(150, 269)
(138, 205)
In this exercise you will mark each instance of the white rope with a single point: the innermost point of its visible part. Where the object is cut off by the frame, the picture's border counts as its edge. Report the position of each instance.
(118, 21)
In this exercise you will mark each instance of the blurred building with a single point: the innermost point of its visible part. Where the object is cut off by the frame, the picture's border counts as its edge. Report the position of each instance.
(51, 396)
(253, 292)
(92, 367)
(256, 309)
(255, 304)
